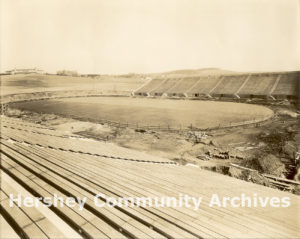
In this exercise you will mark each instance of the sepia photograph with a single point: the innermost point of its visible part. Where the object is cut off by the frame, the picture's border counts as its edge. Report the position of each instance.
(146, 119)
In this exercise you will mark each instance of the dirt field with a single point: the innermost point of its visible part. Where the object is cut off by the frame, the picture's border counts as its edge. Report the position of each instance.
(151, 112)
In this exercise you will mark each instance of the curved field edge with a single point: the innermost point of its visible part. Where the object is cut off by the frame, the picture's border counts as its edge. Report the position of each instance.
(35, 96)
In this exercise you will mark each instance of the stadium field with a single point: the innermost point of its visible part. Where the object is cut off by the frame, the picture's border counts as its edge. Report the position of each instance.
(151, 112)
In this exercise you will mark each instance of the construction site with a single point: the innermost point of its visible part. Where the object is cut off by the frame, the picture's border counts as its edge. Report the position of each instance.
(149, 119)
(48, 152)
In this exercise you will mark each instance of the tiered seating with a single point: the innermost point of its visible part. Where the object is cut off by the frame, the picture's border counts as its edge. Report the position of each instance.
(182, 86)
(9, 122)
(82, 221)
(258, 85)
(152, 85)
(43, 172)
(165, 86)
(204, 85)
(77, 145)
(229, 85)
(263, 84)
(34, 222)
(287, 85)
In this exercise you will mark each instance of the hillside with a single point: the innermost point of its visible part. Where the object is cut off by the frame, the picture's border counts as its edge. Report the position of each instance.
(12, 84)
(194, 72)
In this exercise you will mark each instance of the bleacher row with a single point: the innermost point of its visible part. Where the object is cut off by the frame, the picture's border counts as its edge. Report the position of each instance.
(274, 85)
(31, 169)
(18, 131)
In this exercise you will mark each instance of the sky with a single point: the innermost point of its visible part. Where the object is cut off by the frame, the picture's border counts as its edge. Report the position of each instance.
(143, 36)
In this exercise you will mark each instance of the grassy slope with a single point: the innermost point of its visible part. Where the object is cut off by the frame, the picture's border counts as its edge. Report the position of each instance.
(11, 84)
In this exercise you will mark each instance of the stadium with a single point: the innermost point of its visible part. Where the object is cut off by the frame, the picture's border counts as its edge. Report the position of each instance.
(46, 151)
(149, 119)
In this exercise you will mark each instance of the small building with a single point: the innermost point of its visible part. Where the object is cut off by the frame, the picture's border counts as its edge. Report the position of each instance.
(67, 73)
(25, 71)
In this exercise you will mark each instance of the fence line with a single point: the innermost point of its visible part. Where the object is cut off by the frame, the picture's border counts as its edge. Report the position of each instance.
(172, 128)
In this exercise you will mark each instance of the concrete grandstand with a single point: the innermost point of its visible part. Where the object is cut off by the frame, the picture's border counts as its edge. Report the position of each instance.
(279, 85)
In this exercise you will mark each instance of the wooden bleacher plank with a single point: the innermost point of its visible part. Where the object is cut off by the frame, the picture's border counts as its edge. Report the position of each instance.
(119, 176)
(105, 211)
(92, 147)
(6, 231)
(70, 213)
(24, 222)
(67, 231)
(102, 174)
(35, 215)
(145, 229)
